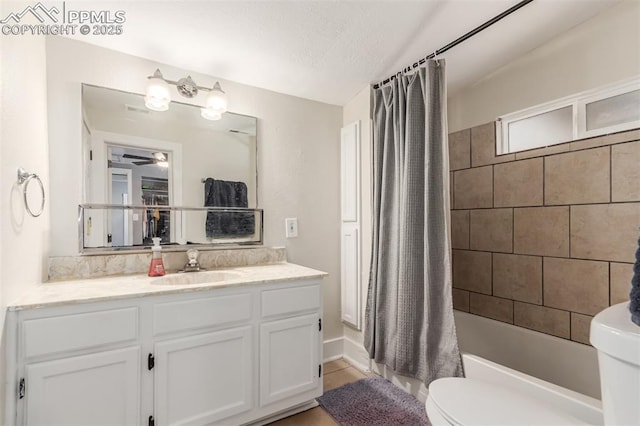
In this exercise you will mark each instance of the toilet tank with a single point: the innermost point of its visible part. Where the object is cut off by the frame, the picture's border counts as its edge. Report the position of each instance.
(617, 340)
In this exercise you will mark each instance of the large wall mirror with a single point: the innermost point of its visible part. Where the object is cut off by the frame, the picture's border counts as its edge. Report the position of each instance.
(133, 156)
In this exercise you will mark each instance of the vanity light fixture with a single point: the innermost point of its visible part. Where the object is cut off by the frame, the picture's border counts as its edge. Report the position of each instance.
(158, 97)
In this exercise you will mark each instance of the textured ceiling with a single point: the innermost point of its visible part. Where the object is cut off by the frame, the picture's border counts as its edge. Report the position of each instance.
(330, 50)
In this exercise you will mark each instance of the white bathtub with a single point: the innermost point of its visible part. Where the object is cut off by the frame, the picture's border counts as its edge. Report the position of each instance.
(580, 406)
(523, 359)
(585, 408)
(562, 362)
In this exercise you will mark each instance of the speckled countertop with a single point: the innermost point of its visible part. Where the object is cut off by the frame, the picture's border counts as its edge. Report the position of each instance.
(126, 286)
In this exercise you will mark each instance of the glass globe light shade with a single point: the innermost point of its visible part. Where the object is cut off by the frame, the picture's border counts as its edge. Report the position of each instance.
(209, 114)
(157, 96)
(216, 100)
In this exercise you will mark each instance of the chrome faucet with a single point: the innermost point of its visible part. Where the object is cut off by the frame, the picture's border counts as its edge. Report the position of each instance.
(192, 265)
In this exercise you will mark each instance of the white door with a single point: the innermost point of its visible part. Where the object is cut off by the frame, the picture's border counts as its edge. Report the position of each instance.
(204, 378)
(120, 225)
(97, 389)
(289, 358)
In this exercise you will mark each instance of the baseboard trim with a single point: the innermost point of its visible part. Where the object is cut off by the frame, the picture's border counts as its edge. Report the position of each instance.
(423, 394)
(332, 349)
(362, 367)
(356, 355)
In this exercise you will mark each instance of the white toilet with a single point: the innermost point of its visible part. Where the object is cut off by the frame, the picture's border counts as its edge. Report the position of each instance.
(617, 340)
(465, 402)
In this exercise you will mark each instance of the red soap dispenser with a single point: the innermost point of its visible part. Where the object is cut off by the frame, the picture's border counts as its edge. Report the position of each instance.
(156, 269)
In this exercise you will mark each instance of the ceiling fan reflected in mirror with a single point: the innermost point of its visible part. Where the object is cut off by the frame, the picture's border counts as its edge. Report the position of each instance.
(158, 158)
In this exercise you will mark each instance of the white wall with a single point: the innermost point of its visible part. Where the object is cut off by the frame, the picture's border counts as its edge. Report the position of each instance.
(600, 51)
(298, 155)
(23, 143)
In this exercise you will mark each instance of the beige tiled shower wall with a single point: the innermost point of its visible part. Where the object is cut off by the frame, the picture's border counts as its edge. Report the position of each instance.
(544, 239)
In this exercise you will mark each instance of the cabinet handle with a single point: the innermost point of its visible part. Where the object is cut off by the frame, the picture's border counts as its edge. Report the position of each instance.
(152, 421)
(151, 362)
(21, 389)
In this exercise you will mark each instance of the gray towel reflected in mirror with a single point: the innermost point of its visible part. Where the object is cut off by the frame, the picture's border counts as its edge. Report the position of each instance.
(222, 193)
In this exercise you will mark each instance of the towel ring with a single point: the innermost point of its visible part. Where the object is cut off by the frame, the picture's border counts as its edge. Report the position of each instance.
(24, 178)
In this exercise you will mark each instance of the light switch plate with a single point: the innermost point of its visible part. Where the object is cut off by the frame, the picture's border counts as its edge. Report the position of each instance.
(291, 225)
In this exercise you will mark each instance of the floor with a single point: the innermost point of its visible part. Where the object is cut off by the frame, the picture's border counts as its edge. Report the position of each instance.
(336, 374)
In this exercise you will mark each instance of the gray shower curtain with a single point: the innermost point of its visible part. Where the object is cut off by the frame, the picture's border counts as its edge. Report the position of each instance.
(409, 316)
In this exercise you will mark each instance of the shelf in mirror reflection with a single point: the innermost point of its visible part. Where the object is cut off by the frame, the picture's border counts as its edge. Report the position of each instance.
(111, 227)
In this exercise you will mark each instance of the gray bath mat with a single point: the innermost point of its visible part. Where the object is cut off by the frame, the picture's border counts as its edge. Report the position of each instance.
(373, 401)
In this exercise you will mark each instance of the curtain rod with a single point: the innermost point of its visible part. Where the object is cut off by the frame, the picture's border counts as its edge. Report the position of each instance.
(456, 42)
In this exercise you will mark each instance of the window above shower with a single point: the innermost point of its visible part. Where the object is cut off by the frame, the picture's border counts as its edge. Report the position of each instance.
(609, 109)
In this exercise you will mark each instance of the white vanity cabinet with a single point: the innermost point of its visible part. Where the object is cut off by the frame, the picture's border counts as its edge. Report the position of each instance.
(96, 389)
(204, 378)
(79, 365)
(203, 357)
(228, 356)
(290, 365)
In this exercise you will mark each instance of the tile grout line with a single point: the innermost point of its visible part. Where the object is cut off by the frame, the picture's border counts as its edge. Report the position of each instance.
(469, 245)
(513, 230)
(601, 203)
(470, 156)
(570, 207)
(493, 203)
(491, 279)
(542, 277)
(609, 287)
(610, 173)
(544, 180)
(585, 259)
(453, 191)
(570, 328)
(535, 305)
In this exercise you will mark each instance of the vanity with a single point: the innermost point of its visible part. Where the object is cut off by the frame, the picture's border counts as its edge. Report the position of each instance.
(237, 344)
(230, 346)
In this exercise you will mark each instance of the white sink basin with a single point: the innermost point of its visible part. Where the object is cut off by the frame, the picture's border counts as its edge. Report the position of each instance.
(202, 277)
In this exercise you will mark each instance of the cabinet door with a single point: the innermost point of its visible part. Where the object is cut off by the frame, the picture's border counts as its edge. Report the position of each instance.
(289, 358)
(350, 172)
(350, 275)
(203, 378)
(96, 389)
